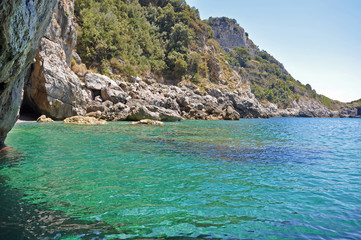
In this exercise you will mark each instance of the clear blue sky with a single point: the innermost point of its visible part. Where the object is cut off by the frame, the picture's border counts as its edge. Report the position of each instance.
(318, 41)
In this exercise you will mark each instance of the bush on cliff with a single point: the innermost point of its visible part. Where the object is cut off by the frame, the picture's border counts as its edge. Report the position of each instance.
(135, 37)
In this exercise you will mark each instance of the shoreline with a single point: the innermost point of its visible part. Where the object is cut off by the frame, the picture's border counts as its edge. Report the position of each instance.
(21, 121)
(25, 121)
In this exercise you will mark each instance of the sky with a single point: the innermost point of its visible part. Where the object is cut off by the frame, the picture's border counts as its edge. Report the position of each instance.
(318, 41)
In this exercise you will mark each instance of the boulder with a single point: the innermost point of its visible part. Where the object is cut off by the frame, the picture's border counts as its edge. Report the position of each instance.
(121, 112)
(141, 112)
(148, 122)
(44, 119)
(94, 106)
(113, 95)
(246, 104)
(168, 115)
(97, 114)
(84, 120)
(96, 81)
(231, 114)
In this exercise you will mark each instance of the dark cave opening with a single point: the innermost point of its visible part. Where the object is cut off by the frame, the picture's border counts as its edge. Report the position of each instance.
(359, 111)
(2, 86)
(28, 112)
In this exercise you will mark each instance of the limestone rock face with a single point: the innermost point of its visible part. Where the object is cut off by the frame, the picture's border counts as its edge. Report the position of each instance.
(53, 89)
(230, 35)
(22, 24)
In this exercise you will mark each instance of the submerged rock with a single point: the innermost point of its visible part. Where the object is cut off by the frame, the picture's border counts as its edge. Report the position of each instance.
(84, 120)
(44, 119)
(148, 122)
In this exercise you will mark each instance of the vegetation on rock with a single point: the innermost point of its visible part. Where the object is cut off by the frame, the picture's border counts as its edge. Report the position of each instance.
(269, 80)
(136, 37)
(168, 38)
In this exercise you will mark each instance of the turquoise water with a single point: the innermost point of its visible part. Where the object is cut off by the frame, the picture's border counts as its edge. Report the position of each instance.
(279, 178)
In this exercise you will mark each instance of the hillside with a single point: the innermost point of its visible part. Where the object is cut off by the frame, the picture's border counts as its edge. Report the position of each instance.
(166, 38)
(157, 59)
(270, 81)
(135, 59)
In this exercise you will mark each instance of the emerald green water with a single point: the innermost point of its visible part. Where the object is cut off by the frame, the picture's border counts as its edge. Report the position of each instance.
(279, 178)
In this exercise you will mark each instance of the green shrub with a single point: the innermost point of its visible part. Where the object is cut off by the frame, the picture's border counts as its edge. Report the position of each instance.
(141, 33)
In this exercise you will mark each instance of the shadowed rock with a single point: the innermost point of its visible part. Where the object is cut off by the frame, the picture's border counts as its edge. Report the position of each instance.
(53, 89)
(44, 119)
(22, 25)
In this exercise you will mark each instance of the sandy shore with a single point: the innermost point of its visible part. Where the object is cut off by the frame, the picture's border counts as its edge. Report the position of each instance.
(25, 121)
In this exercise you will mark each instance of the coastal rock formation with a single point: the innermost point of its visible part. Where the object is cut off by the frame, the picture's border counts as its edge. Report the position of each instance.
(84, 120)
(22, 25)
(156, 101)
(53, 89)
(270, 80)
(96, 81)
(148, 122)
(229, 34)
(44, 119)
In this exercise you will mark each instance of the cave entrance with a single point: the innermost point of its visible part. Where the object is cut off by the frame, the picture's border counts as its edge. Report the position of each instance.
(28, 112)
(359, 111)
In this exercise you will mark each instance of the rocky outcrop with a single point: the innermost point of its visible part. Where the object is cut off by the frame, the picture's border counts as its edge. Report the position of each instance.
(135, 101)
(96, 81)
(84, 120)
(230, 35)
(53, 89)
(148, 122)
(44, 119)
(22, 24)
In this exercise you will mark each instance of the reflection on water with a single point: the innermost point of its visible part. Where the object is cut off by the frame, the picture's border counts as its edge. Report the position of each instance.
(258, 179)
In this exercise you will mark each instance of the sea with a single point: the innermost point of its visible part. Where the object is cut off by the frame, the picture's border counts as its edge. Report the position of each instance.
(277, 178)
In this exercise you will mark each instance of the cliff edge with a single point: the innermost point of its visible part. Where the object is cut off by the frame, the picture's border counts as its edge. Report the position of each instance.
(22, 24)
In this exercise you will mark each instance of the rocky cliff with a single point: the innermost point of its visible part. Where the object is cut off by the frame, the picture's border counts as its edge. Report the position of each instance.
(55, 90)
(22, 24)
(213, 87)
(230, 35)
(52, 88)
(273, 86)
